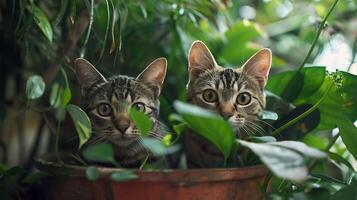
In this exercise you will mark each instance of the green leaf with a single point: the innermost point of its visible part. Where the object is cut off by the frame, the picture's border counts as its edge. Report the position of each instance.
(142, 121)
(158, 148)
(81, 123)
(279, 82)
(238, 37)
(342, 97)
(59, 96)
(285, 159)
(123, 176)
(35, 86)
(34, 177)
(301, 148)
(348, 133)
(42, 22)
(211, 126)
(100, 152)
(346, 193)
(92, 173)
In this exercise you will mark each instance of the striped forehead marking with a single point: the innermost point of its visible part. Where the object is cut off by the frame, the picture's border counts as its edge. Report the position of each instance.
(122, 89)
(228, 79)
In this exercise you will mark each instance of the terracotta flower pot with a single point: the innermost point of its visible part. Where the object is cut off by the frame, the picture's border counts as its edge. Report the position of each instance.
(70, 182)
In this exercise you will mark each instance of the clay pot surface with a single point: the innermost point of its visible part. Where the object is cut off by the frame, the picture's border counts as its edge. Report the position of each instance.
(69, 182)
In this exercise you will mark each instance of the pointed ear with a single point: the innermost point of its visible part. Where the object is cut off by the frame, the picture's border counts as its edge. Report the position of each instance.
(154, 75)
(200, 59)
(259, 65)
(87, 75)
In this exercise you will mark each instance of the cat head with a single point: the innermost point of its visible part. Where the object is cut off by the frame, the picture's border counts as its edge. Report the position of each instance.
(107, 101)
(237, 94)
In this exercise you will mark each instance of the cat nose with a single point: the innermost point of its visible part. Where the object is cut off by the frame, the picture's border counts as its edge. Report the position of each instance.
(226, 115)
(122, 124)
(226, 110)
(122, 128)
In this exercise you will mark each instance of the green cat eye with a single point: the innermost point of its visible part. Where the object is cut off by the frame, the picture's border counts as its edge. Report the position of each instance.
(104, 109)
(210, 95)
(244, 98)
(139, 106)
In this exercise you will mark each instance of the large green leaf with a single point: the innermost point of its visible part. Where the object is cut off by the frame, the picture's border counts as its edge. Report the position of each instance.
(348, 133)
(35, 86)
(209, 125)
(100, 152)
(81, 123)
(286, 159)
(42, 22)
(342, 94)
(306, 83)
(142, 121)
(342, 97)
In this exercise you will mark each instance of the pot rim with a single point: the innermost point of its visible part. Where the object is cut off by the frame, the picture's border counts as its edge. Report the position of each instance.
(172, 175)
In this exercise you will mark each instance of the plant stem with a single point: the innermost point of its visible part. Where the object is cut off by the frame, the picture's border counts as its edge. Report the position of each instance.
(316, 38)
(89, 28)
(354, 52)
(304, 114)
(58, 137)
(290, 84)
(332, 142)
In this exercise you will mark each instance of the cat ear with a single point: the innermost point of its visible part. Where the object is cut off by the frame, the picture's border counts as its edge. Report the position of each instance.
(259, 65)
(87, 74)
(154, 75)
(200, 59)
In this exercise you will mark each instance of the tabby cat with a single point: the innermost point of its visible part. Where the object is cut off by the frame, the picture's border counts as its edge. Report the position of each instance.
(237, 94)
(106, 101)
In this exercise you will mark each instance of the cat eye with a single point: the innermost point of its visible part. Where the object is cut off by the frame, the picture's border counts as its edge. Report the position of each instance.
(244, 98)
(104, 109)
(139, 106)
(210, 95)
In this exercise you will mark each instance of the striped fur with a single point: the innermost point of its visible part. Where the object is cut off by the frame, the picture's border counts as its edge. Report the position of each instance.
(230, 86)
(120, 93)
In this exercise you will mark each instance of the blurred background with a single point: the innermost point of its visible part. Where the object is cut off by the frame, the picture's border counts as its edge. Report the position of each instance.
(43, 37)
